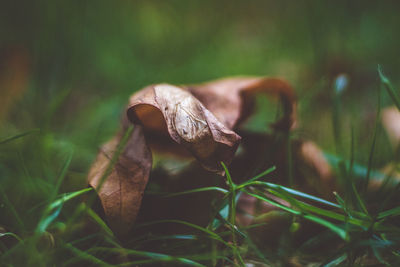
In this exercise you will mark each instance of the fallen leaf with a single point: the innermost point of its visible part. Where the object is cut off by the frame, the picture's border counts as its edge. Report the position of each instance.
(192, 120)
(231, 100)
(121, 192)
(172, 110)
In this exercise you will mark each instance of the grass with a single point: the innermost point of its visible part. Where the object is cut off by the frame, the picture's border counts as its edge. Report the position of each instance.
(359, 230)
(85, 60)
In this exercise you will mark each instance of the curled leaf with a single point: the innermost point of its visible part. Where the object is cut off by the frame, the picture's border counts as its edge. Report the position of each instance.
(172, 110)
(231, 100)
(121, 191)
(192, 120)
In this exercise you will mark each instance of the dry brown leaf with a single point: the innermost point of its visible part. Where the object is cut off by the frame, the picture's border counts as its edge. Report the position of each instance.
(198, 119)
(391, 123)
(122, 191)
(231, 100)
(172, 110)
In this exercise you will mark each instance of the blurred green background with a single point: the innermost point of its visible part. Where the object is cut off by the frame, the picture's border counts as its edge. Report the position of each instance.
(67, 69)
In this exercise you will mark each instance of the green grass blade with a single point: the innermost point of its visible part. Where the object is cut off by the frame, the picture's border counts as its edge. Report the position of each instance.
(68, 196)
(13, 235)
(146, 238)
(232, 215)
(327, 213)
(223, 212)
(387, 213)
(61, 177)
(337, 261)
(48, 219)
(202, 229)
(12, 138)
(228, 175)
(83, 255)
(293, 192)
(373, 145)
(258, 176)
(255, 178)
(389, 88)
(339, 231)
(197, 190)
(53, 209)
(99, 221)
(357, 196)
(11, 207)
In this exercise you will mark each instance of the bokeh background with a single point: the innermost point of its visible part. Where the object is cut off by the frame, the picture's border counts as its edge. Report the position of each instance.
(67, 69)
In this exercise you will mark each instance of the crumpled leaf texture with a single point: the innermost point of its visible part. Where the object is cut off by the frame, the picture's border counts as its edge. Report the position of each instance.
(122, 190)
(199, 118)
(187, 122)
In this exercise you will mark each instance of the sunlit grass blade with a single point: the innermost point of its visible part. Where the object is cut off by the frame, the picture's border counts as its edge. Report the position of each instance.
(392, 212)
(261, 175)
(68, 196)
(197, 190)
(232, 215)
(13, 235)
(168, 237)
(9, 139)
(342, 233)
(202, 229)
(323, 212)
(337, 261)
(53, 209)
(48, 219)
(291, 191)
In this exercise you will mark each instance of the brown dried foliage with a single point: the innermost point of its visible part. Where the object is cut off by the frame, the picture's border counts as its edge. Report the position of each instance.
(197, 121)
